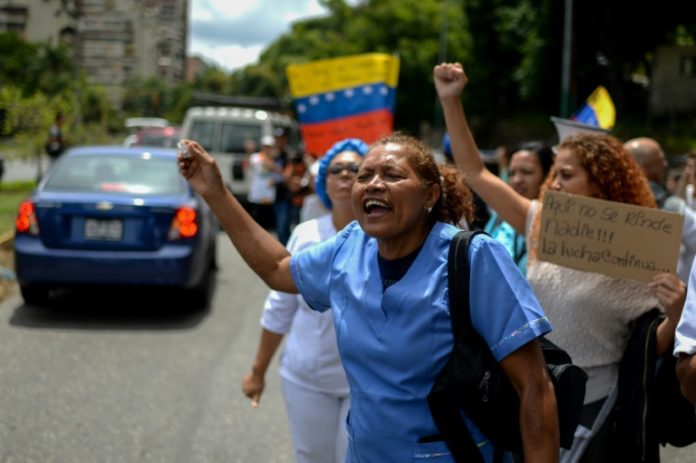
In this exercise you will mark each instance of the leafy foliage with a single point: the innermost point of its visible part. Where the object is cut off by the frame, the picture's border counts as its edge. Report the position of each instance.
(511, 49)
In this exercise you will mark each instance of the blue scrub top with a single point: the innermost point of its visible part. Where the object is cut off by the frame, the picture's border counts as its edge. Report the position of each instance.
(393, 343)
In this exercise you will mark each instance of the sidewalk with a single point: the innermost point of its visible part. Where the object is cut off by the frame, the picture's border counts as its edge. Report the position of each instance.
(19, 169)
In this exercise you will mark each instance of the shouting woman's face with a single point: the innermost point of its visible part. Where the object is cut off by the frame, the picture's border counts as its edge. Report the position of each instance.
(389, 198)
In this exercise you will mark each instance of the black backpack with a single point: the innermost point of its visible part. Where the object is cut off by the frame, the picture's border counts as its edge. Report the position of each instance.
(473, 382)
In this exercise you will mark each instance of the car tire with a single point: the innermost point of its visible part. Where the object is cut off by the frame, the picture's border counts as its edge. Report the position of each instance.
(35, 294)
(199, 295)
(213, 261)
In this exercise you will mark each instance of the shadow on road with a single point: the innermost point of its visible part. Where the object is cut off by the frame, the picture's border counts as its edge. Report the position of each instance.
(112, 308)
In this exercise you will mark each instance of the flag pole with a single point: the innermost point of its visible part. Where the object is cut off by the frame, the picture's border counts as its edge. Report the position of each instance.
(567, 42)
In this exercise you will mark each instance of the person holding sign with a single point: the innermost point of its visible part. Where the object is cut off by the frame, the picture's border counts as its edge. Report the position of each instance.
(591, 312)
(384, 277)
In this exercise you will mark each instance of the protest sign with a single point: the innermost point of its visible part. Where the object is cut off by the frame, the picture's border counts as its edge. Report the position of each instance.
(615, 239)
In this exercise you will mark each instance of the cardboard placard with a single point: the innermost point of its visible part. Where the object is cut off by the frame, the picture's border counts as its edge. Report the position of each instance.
(615, 239)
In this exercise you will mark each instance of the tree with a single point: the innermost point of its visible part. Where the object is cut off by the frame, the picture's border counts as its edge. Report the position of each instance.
(35, 67)
(410, 28)
(29, 119)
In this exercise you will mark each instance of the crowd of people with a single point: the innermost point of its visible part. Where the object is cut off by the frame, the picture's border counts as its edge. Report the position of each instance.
(280, 181)
(361, 292)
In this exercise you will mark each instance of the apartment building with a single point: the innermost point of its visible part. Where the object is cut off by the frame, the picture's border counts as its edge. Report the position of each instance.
(113, 40)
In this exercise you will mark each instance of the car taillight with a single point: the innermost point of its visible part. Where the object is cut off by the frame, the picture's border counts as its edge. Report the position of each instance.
(184, 224)
(26, 219)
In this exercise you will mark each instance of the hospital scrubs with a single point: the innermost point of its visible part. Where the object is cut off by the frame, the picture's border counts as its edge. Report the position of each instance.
(394, 342)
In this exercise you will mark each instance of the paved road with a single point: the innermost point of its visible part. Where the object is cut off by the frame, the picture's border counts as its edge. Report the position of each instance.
(128, 377)
(125, 378)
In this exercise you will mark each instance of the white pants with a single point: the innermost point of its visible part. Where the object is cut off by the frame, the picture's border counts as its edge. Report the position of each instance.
(317, 424)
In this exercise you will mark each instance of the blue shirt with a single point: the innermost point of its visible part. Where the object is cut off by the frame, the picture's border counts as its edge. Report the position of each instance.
(514, 242)
(394, 343)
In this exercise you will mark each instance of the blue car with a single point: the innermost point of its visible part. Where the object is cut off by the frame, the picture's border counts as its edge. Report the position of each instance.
(109, 215)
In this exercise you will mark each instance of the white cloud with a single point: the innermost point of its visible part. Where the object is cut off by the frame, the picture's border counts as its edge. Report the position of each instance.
(233, 33)
(230, 57)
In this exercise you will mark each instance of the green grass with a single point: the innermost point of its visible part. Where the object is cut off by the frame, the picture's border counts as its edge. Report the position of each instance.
(11, 194)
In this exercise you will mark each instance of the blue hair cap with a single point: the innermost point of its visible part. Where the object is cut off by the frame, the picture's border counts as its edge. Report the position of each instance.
(447, 146)
(349, 144)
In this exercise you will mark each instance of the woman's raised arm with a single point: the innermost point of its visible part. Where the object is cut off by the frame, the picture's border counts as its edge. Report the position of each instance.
(512, 207)
(260, 250)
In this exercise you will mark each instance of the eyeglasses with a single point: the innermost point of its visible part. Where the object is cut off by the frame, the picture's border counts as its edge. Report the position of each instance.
(336, 169)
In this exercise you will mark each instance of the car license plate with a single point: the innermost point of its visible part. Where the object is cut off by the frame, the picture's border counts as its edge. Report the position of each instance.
(103, 229)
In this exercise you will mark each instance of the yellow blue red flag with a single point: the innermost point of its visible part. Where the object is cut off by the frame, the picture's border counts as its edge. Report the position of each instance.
(598, 110)
(346, 97)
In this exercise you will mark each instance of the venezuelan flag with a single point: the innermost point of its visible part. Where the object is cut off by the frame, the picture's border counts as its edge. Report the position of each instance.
(598, 110)
(347, 97)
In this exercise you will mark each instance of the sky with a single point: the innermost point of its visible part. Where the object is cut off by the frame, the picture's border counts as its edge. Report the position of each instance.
(233, 33)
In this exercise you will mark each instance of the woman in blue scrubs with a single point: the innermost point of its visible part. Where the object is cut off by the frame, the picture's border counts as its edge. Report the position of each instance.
(384, 277)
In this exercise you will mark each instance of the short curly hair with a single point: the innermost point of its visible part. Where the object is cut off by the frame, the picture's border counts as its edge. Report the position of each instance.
(455, 201)
(610, 167)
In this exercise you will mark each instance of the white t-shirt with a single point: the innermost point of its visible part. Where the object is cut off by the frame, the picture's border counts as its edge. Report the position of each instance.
(590, 314)
(310, 358)
(685, 337)
(262, 189)
(689, 196)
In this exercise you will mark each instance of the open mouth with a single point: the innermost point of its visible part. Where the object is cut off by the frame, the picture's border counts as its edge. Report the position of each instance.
(373, 206)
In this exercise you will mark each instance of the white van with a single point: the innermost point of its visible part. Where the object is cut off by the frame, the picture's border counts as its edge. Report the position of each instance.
(222, 131)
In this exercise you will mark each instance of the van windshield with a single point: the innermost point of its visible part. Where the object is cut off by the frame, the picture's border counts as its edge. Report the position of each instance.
(203, 132)
(234, 134)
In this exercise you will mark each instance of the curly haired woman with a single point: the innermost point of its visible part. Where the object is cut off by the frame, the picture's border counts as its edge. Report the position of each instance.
(591, 313)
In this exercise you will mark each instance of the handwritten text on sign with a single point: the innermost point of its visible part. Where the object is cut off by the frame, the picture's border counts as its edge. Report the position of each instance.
(616, 239)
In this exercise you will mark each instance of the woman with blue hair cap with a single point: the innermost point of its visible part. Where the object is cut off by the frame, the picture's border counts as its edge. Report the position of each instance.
(315, 388)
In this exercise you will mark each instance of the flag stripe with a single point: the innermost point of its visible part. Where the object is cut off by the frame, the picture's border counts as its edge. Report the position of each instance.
(370, 126)
(586, 115)
(598, 110)
(603, 107)
(344, 103)
(331, 75)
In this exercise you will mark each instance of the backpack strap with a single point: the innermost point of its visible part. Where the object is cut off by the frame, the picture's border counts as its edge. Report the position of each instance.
(458, 279)
(449, 419)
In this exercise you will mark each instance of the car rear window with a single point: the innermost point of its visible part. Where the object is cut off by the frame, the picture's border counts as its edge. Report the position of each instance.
(142, 175)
